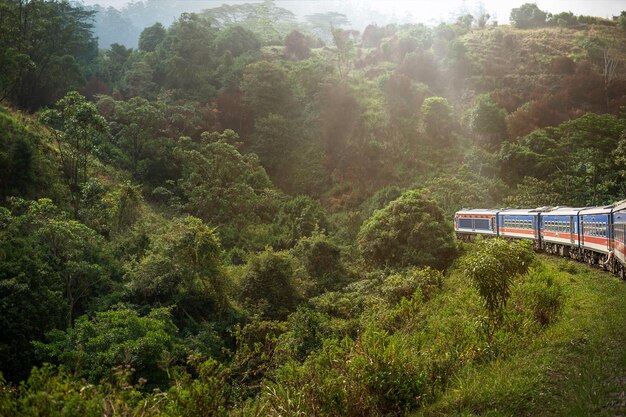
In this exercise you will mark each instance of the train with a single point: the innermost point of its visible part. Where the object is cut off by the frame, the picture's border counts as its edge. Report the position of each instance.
(588, 234)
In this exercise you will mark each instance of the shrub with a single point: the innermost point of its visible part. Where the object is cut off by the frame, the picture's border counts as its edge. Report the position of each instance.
(541, 296)
(404, 285)
(492, 266)
(321, 260)
(411, 230)
(267, 285)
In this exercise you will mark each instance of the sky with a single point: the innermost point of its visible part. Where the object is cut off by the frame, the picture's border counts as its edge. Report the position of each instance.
(362, 12)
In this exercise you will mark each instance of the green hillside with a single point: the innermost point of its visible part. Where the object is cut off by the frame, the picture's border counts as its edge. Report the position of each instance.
(255, 218)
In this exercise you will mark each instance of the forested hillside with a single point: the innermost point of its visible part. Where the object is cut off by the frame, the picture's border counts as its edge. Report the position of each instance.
(252, 215)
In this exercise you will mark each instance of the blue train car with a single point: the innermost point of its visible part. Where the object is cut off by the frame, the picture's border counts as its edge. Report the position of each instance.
(595, 230)
(560, 225)
(519, 223)
(560, 230)
(619, 236)
(473, 222)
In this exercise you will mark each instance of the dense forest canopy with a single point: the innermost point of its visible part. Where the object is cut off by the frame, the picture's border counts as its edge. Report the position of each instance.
(229, 203)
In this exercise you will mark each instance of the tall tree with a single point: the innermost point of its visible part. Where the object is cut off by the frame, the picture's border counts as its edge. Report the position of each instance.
(49, 46)
(76, 128)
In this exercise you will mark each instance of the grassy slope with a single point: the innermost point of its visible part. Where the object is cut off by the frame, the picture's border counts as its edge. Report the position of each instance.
(576, 367)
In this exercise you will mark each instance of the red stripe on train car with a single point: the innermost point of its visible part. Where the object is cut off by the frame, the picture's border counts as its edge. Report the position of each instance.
(520, 231)
(596, 240)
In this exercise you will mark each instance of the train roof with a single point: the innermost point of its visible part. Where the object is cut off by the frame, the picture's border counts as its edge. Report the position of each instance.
(598, 210)
(563, 211)
(519, 212)
(478, 211)
(620, 206)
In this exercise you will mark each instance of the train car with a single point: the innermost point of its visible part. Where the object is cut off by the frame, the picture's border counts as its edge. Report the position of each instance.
(472, 222)
(560, 230)
(595, 233)
(619, 236)
(516, 223)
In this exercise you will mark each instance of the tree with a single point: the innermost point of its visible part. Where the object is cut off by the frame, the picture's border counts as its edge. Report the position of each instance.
(151, 37)
(296, 46)
(182, 270)
(528, 16)
(273, 140)
(93, 347)
(48, 46)
(622, 19)
(268, 22)
(344, 54)
(487, 119)
(225, 188)
(491, 266)
(266, 89)
(236, 40)
(323, 24)
(133, 124)
(187, 59)
(300, 217)
(410, 230)
(438, 121)
(321, 260)
(53, 268)
(112, 26)
(267, 286)
(76, 128)
(113, 64)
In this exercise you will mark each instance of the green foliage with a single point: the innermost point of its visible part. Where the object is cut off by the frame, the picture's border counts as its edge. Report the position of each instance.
(236, 41)
(573, 157)
(407, 284)
(266, 20)
(532, 192)
(205, 395)
(492, 265)
(53, 269)
(225, 188)
(438, 122)
(487, 118)
(25, 171)
(187, 57)
(47, 48)
(528, 16)
(267, 287)
(77, 129)
(411, 230)
(321, 261)
(266, 89)
(273, 141)
(300, 217)
(181, 269)
(93, 347)
(134, 123)
(539, 295)
(375, 376)
(151, 37)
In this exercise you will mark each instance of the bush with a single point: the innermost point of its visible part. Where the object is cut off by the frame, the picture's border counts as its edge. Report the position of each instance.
(411, 230)
(404, 285)
(267, 286)
(541, 296)
(492, 266)
(321, 261)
